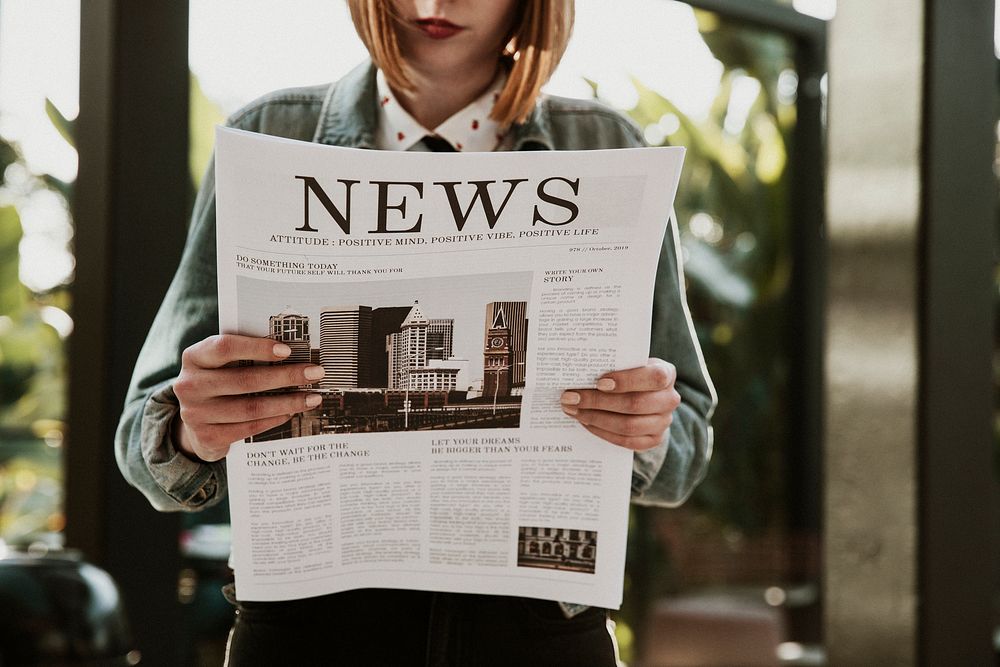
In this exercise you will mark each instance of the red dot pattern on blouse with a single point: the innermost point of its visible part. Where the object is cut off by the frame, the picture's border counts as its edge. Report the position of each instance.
(386, 100)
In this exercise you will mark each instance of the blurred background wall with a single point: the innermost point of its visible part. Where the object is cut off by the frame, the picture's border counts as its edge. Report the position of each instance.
(876, 59)
(838, 219)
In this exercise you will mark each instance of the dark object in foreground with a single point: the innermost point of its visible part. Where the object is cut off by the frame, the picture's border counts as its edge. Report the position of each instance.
(59, 610)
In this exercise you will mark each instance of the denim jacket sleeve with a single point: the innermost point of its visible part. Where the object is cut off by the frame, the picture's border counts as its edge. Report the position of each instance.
(144, 448)
(667, 474)
(189, 313)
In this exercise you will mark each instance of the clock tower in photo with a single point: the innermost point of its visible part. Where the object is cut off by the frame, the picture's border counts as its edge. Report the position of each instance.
(497, 357)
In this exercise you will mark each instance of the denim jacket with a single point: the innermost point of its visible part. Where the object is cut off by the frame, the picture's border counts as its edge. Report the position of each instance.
(343, 114)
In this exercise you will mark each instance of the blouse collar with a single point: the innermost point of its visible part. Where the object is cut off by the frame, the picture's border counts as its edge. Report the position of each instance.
(469, 129)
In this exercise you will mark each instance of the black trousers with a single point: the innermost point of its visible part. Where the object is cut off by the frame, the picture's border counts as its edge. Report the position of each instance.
(394, 628)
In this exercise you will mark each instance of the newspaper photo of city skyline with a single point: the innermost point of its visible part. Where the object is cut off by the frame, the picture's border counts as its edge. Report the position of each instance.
(429, 354)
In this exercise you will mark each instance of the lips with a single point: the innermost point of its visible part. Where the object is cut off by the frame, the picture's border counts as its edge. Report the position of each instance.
(438, 28)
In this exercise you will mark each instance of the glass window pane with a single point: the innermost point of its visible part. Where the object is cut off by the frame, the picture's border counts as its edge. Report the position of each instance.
(37, 169)
(737, 557)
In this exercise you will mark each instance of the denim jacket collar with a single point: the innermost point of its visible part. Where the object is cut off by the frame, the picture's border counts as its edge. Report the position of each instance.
(347, 117)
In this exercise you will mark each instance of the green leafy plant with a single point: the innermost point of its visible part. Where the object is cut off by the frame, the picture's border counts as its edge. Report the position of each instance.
(732, 205)
(32, 375)
(734, 218)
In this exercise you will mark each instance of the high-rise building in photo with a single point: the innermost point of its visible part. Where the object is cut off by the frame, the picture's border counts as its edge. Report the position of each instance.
(292, 329)
(433, 379)
(407, 348)
(496, 357)
(440, 338)
(345, 335)
(385, 322)
(417, 352)
(505, 349)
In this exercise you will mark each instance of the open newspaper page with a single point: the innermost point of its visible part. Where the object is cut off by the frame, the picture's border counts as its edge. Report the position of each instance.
(450, 299)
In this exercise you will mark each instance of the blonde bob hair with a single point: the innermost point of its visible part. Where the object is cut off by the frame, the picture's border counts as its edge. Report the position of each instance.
(533, 49)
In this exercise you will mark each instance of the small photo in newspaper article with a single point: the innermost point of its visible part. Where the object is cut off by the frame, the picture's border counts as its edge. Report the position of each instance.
(557, 548)
(400, 355)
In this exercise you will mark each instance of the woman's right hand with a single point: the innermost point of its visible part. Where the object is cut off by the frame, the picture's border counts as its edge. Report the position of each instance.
(220, 404)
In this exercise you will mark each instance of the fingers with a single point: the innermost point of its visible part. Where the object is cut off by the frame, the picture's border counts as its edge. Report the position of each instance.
(626, 425)
(217, 351)
(631, 408)
(239, 409)
(655, 375)
(210, 427)
(636, 443)
(632, 403)
(646, 390)
(214, 440)
(199, 383)
(632, 431)
(215, 408)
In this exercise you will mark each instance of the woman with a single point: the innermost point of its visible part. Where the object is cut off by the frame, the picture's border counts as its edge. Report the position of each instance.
(471, 70)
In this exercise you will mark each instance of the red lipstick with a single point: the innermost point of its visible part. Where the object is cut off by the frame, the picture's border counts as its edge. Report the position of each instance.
(438, 28)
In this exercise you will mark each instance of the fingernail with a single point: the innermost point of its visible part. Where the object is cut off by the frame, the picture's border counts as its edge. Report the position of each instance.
(606, 384)
(314, 372)
(569, 398)
(569, 410)
(312, 400)
(281, 350)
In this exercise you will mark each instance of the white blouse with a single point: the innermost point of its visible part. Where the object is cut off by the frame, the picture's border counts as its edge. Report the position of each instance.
(469, 129)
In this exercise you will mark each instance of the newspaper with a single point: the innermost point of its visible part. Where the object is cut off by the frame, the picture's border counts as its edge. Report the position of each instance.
(450, 298)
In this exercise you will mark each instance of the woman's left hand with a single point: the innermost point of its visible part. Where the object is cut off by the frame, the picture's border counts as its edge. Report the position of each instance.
(631, 408)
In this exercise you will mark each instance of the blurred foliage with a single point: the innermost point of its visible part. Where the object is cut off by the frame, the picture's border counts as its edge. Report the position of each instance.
(734, 218)
(733, 208)
(66, 129)
(65, 126)
(30, 490)
(204, 116)
(32, 368)
(32, 354)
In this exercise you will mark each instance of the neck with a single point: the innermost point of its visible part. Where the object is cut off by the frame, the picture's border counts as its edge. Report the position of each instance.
(439, 94)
